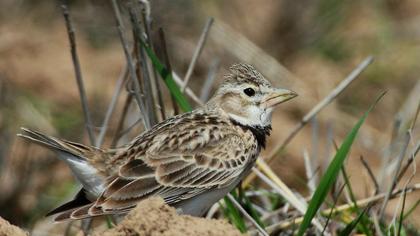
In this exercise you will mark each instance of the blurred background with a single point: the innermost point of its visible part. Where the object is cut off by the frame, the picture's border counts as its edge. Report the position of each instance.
(307, 46)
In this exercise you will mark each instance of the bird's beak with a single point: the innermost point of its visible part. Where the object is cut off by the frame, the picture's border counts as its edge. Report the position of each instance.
(277, 96)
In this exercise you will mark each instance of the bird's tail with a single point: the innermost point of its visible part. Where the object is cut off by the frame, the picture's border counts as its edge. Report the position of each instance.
(80, 159)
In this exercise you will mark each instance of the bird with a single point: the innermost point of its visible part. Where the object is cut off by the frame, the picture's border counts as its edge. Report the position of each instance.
(191, 160)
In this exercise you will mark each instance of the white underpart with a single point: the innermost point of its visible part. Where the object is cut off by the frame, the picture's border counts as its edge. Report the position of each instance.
(86, 175)
(255, 116)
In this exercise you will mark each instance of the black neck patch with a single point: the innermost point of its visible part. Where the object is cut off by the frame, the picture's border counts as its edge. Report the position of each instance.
(260, 133)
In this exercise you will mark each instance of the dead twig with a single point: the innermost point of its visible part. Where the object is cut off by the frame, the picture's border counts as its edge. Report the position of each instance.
(370, 173)
(112, 105)
(155, 80)
(120, 125)
(78, 72)
(143, 66)
(197, 52)
(167, 64)
(131, 65)
(211, 75)
(409, 162)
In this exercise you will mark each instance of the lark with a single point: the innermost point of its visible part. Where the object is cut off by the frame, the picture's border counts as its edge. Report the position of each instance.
(191, 160)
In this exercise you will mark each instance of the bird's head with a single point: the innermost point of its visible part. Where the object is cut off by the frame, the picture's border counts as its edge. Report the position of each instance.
(247, 97)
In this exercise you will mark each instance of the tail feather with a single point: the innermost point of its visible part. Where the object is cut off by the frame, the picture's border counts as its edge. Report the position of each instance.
(42, 139)
(78, 201)
(81, 159)
(78, 150)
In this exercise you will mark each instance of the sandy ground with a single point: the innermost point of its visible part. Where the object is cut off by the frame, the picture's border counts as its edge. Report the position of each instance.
(154, 217)
(151, 217)
(6, 229)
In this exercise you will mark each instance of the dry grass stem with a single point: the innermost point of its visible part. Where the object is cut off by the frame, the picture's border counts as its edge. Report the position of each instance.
(147, 20)
(197, 52)
(409, 161)
(78, 72)
(400, 158)
(143, 74)
(211, 76)
(370, 173)
(131, 65)
(310, 173)
(111, 107)
(278, 185)
(243, 211)
(188, 91)
(123, 116)
(167, 64)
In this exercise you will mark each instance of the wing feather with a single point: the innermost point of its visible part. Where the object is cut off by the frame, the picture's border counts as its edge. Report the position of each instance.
(179, 164)
(135, 169)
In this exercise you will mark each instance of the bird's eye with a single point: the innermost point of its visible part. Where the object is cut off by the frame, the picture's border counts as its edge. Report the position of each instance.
(249, 92)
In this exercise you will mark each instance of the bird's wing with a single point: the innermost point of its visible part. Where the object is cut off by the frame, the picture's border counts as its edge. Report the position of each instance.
(177, 165)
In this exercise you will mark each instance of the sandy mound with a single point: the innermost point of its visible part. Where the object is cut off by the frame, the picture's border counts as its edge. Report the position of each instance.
(6, 229)
(154, 217)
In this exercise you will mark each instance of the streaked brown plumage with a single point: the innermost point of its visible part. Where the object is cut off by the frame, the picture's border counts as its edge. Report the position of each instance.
(190, 160)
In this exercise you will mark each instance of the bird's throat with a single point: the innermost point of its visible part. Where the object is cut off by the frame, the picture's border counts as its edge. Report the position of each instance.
(260, 133)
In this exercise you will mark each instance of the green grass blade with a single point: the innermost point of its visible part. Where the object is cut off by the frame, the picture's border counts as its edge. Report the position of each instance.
(349, 228)
(364, 221)
(109, 223)
(234, 215)
(276, 200)
(250, 208)
(167, 78)
(331, 174)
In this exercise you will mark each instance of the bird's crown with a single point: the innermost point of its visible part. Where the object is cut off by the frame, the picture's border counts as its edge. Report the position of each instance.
(242, 73)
